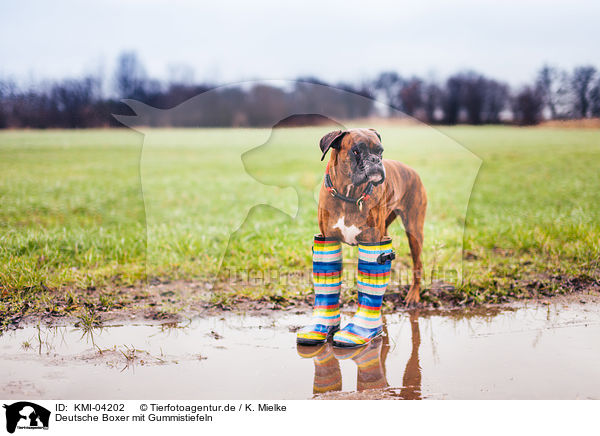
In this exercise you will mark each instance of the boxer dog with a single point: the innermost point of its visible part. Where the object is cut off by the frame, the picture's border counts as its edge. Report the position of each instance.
(363, 194)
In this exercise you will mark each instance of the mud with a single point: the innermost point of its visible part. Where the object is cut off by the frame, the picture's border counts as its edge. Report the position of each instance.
(540, 350)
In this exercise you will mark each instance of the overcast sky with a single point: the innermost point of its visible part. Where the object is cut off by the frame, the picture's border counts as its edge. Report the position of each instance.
(223, 41)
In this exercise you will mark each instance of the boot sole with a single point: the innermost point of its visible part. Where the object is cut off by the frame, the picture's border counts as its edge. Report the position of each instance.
(311, 342)
(347, 345)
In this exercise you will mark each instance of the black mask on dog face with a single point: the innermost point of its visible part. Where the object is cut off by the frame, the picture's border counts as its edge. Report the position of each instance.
(366, 159)
(357, 154)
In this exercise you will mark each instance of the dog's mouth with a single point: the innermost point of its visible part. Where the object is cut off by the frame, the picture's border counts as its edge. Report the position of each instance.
(378, 177)
(374, 174)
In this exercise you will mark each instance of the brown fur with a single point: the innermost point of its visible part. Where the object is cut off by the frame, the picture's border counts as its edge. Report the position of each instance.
(402, 194)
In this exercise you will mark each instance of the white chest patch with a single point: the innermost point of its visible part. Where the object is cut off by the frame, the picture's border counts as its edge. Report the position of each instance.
(349, 233)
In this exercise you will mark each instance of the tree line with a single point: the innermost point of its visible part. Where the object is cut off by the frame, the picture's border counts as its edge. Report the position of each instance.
(466, 97)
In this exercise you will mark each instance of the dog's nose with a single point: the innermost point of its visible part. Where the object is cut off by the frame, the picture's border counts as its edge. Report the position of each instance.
(374, 159)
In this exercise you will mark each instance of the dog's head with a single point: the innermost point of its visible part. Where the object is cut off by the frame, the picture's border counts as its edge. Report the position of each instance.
(357, 154)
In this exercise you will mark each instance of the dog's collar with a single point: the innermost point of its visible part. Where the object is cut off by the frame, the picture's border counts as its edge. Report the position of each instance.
(334, 193)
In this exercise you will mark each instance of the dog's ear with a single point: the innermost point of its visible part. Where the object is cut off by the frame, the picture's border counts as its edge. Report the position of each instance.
(376, 132)
(331, 140)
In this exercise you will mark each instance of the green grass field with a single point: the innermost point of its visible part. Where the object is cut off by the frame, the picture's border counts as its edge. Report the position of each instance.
(89, 210)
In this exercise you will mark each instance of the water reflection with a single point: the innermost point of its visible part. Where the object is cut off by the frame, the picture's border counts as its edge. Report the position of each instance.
(370, 373)
(411, 381)
(328, 377)
(370, 363)
(511, 354)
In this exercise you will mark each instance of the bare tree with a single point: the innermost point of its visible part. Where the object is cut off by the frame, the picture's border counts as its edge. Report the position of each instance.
(581, 81)
(3, 110)
(473, 96)
(388, 83)
(527, 106)
(432, 99)
(354, 107)
(130, 77)
(548, 82)
(595, 100)
(496, 100)
(452, 99)
(74, 100)
(411, 95)
(266, 103)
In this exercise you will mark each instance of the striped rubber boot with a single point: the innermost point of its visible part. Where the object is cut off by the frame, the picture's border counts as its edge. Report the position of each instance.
(327, 279)
(374, 265)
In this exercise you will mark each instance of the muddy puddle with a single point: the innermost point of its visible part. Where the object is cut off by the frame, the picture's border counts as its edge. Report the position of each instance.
(532, 352)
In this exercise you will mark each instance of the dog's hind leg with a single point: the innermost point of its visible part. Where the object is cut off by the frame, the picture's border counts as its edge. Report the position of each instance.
(414, 233)
(413, 218)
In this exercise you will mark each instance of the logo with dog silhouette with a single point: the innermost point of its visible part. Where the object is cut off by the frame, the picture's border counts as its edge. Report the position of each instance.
(26, 415)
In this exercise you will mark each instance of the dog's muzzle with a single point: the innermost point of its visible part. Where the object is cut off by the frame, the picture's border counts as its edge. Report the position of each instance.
(376, 174)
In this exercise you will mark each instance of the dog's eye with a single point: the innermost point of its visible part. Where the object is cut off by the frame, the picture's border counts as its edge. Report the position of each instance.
(355, 152)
